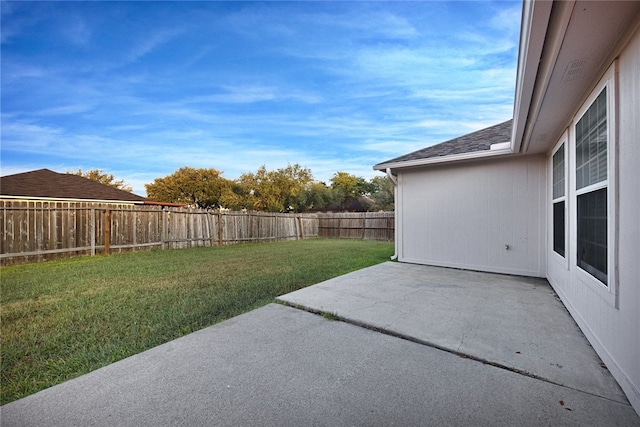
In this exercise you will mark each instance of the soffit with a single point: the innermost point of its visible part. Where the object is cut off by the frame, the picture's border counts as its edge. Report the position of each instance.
(594, 30)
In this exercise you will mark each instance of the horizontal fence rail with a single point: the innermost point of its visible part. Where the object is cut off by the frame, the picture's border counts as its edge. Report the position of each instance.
(35, 231)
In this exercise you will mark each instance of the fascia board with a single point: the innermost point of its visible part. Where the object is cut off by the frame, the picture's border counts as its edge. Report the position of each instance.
(54, 199)
(443, 159)
(535, 20)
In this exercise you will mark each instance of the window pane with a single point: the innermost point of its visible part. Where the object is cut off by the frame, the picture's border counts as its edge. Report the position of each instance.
(591, 144)
(592, 233)
(558, 173)
(558, 228)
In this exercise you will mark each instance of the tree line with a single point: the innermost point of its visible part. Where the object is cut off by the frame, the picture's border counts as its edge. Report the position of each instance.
(289, 189)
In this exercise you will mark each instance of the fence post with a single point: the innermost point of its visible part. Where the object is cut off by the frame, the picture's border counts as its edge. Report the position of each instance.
(210, 225)
(163, 237)
(93, 232)
(301, 228)
(134, 227)
(364, 224)
(220, 237)
(107, 232)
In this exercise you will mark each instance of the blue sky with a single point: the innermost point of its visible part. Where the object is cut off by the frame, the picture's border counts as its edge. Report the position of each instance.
(140, 89)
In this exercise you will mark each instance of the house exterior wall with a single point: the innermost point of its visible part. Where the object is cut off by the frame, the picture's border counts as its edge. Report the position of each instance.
(612, 322)
(464, 215)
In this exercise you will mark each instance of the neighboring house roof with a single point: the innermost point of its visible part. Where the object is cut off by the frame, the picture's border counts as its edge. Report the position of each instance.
(47, 184)
(481, 140)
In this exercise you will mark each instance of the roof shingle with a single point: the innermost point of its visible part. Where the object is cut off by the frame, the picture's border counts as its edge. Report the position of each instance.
(476, 141)
(53, 185)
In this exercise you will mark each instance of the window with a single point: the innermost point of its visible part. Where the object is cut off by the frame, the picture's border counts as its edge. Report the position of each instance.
(559, 201)
(592, 233)
(592, 138)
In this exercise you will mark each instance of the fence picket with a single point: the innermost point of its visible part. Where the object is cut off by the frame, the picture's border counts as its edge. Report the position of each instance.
(42, 230)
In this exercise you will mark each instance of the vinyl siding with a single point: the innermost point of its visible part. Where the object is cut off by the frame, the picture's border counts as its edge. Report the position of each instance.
(614, 331)
(463, 215)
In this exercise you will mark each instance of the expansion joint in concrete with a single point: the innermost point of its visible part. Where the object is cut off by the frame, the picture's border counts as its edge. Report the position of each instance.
(364, 325)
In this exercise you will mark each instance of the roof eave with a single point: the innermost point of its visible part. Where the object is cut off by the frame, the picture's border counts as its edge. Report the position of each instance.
(535, 20)
(502, 151)
(62, 199)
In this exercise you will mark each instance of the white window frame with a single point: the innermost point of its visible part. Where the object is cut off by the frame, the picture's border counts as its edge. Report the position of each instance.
(609, 291)
(563, 143)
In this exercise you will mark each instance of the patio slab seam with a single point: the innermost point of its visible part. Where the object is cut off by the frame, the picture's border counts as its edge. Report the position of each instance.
(336, 317)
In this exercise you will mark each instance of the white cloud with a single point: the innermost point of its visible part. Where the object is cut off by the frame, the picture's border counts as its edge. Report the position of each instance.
(17, 70)
(331, 86)
(24, 136)
(64, 110)
(507, 21)
(152, 42)
(237, 95)
(76, 30)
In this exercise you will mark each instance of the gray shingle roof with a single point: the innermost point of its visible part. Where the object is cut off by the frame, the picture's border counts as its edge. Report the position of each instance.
(50, 184)
(476, 141)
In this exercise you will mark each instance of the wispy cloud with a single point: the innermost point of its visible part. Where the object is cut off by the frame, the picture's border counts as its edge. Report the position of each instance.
(28, 137)
(141, 89)
(18, 70)
(76, 30)
(507, 21)
(63, 110)
(237, 95)
(152, 42)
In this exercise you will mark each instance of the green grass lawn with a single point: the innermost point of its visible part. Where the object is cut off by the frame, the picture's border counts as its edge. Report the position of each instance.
(61, 319)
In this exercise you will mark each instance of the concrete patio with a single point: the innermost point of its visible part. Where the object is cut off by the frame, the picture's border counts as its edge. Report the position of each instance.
(418, 345)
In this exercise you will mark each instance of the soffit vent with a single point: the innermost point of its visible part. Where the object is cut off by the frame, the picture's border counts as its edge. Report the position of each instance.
(574, 70)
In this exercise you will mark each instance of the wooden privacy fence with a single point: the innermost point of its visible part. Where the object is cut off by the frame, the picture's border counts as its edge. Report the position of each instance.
(39, 231)
(357, 225)
(34, 231)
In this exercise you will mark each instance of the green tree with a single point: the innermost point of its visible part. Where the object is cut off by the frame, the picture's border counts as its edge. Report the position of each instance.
(383, 193)
(102, 177)
(316, 197)
(347, 189)
(281, 190)
(293, 182)
(258, 190)
(201, 188)
(235, 198)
